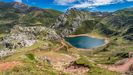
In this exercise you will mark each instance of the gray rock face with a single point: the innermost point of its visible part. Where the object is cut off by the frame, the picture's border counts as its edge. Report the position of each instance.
(6, 52)
(21, 36)
(34, 31)
(68, 22)
(14, 41)
(27, 36)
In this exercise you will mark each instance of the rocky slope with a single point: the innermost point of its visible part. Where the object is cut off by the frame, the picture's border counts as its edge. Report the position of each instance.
(20, 37)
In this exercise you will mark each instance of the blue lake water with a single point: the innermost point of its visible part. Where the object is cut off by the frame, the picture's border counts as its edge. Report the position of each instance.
(84, 42)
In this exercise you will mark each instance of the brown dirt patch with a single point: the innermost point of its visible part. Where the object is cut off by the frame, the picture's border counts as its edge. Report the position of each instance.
(8, 65)
(76, 69)
(122, 68)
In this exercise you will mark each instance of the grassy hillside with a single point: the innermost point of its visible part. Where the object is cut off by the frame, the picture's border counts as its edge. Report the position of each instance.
(50, 54)
(10, 16)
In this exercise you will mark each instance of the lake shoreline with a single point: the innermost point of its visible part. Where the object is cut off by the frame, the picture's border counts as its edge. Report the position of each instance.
(106, 40)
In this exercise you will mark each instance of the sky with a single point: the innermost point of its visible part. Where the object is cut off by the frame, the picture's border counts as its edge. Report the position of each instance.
(92, 5)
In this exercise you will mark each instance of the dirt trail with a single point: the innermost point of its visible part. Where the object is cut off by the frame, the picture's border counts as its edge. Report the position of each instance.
(119, 68)
(8, 65)
(62, 45)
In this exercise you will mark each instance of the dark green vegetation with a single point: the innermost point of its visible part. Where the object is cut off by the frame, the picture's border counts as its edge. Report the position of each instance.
(20, 23)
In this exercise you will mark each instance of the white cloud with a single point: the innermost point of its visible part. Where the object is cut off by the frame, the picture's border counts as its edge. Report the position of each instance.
(18, 1)
(129, 0)
(87, 3)
(64, 2)
(93, 3)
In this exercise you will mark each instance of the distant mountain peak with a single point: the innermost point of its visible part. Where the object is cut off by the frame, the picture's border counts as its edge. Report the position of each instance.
(20, 6)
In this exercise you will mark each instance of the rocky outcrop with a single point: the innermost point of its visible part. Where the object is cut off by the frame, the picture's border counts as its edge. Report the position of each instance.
(22, 36)
(13, 41)
(69, 21)
(6, 52)
(20, 40)
(74, 20)
(26, 36)
(36, 31)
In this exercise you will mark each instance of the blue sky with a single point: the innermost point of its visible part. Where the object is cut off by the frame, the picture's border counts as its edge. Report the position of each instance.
(93, 5)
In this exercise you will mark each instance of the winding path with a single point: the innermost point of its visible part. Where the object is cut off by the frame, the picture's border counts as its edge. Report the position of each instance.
(119, 68)
(63, 44)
